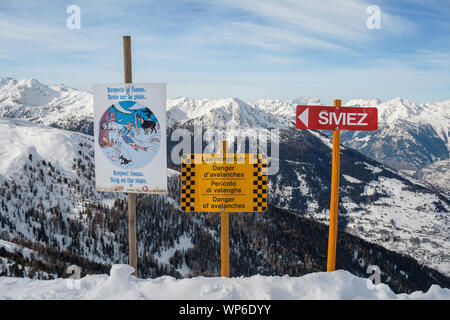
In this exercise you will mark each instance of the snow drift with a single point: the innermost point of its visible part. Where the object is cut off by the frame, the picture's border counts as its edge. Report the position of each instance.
(121, 285)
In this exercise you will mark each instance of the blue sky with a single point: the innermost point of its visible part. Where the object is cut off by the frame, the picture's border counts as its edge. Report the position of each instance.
(251, 49)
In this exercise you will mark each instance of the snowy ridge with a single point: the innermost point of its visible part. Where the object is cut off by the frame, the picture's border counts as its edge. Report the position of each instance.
(12, 247)
(231, 112)
(436, 114)
(22, 138)
(54, 151)
(7, 263)
(437, 172)
(390, 110)
(285, 110)
(410, 136)
(53, 106)
(56, 105)
(121, 285)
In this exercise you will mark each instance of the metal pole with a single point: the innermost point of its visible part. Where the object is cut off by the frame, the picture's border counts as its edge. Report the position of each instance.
(334, 202)
(224, 231)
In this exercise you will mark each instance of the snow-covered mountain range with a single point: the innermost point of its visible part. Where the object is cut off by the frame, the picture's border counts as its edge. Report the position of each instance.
(59, 106)
(411, 137)
(378, 203)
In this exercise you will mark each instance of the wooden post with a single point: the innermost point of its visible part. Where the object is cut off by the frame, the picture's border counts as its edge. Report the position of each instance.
(132, 257)
(224, 231)
(334, 202)
(127, 71)
(132, 246)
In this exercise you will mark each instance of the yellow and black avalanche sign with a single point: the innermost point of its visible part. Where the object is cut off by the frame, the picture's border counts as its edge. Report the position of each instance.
(210, 183)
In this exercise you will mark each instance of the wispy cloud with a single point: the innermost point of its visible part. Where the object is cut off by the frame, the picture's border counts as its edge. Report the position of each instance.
(225, 46)
(330, 19)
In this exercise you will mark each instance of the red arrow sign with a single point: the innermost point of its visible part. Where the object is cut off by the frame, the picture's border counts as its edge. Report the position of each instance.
(331, 118)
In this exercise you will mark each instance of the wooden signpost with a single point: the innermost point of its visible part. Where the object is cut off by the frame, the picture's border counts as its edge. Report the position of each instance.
(336, 119)
(224, 183)
(126, 151)
(128, 78)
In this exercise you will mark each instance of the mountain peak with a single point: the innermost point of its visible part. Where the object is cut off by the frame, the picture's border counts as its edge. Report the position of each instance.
(362, 102)
(400, 100)
(6, 80)
(29, 82)
(31, 99)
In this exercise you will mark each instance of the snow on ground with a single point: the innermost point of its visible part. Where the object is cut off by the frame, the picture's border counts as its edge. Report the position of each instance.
(374, 169)
(61, 149)
(184, 243)
(327, 141)
(12, 247)
(404, 221)
(437, 173)
(21, 138)
(121, 285)
(351, 179)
